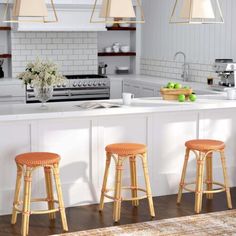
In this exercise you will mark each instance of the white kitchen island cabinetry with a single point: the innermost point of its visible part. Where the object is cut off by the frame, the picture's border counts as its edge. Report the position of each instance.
(80, 136)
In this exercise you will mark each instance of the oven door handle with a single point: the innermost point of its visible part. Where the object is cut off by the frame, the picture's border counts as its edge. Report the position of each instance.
(86, 92)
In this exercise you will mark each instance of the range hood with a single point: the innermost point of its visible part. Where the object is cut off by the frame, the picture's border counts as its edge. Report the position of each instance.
(73, 15)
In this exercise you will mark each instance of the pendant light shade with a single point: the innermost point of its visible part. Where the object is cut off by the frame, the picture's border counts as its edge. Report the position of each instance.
(30, 11)
(117, 11)
(197, 12)
(29, 8)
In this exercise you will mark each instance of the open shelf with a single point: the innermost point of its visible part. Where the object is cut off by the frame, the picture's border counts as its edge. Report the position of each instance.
(121, 28)
(118, 54)
(5, 28)
(5, 55)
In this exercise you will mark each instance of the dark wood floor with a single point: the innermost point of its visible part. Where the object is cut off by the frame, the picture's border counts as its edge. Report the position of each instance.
(88, 217)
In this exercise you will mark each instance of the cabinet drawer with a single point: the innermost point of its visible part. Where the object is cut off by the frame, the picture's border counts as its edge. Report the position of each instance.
(12, 91)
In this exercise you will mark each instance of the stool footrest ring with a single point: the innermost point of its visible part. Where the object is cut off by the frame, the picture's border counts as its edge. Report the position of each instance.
(222, 189)
(39, 212)
(126, 188)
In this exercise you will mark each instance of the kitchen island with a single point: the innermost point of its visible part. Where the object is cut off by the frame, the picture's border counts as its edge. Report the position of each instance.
(80, 136)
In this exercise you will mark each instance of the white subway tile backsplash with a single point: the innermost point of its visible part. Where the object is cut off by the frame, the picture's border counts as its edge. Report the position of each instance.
(46, 40)
(74, 52)
(52, 46)
(173, 70)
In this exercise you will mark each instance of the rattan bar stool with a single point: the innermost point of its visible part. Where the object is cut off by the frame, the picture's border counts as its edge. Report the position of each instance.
(203, 150)
(120, 152)
(26, 164)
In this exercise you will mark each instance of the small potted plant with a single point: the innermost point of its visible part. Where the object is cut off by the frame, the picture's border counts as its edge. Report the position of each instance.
(43, 76)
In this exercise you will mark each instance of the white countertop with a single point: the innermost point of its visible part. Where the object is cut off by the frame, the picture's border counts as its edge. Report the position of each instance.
(139, 106)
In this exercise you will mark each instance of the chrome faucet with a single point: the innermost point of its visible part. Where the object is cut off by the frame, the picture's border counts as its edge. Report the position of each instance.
(185, 73)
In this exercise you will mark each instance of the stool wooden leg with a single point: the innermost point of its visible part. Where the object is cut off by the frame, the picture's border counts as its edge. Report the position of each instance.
(226, 180)
(148, 185)
(26, 201)
(182, 181)
(134, 184)
(199, 183)
(60, 197)
(118, 184)
(209, 174)
(17, 193)
(49, 188)
(104, 185)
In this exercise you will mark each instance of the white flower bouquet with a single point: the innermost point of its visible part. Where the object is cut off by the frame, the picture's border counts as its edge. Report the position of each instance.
(42, 74)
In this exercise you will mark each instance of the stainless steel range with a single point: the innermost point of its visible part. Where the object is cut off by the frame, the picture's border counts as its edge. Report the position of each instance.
(77, 88)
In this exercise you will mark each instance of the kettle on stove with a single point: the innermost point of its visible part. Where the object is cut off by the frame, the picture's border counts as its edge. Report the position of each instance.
(1, 70)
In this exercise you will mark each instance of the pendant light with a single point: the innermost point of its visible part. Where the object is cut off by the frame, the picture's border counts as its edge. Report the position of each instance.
(116, 11)
(29, 11)
(197, 12)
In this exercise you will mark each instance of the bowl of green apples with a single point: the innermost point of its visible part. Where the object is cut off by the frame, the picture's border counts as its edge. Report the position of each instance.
(177, 92)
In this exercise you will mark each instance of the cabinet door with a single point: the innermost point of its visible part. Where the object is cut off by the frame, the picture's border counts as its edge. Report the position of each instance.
(116, 88)
(148, 91)
(221, 125)
(126, 87)
(132, 88)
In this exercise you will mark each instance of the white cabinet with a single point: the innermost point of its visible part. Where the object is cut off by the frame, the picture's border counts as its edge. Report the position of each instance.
(141, 89)
(135, 89)
(116, 88)
(12, 93)
(220, 125)
(148, 91)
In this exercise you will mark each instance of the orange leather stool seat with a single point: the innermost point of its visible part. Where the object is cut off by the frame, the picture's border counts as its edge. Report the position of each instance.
(203, 150)
(37, 159)
(121, 152)
(26, 164)
(125, 149)
(205, 145)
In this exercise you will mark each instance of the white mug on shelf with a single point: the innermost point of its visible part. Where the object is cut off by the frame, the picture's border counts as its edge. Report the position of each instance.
(127, 98)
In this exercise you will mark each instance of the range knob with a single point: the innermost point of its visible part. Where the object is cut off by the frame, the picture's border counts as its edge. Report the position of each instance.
(79, 84)
(104, 83)
(74, 84)
(31, 86)
(90, 84)
(100, 84)
(64, 85)
(59, 85)
(84, 84)
(95, 84)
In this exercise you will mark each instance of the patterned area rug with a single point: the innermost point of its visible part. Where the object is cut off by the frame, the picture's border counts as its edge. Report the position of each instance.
(213, 224)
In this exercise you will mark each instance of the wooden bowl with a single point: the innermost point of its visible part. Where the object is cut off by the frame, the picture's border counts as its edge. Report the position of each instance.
(172, 94)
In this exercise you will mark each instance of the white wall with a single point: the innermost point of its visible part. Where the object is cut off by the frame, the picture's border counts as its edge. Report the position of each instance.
(201, 43)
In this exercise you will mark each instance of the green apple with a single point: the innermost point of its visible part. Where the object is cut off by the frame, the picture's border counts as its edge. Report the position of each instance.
(192, 97)
(181, 98)
(170, 85)
(178, 86)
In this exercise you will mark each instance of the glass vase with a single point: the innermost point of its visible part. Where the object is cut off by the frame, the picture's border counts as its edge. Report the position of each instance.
(43, 94)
